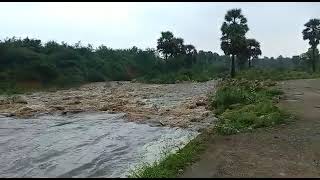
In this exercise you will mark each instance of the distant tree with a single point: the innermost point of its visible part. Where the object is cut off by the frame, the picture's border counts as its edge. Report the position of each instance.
(254, 51)
(233, 38)
(296, 60)
(34, 44)
(312, 33)
(191, 53)
(170, 46)
(280, 57)
(190, 50)
(165, 44)
(309, 56)
(51, 46)
(178, 47)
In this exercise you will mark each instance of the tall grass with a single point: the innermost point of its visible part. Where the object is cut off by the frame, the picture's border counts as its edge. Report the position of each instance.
(244, 105)
(277, 75)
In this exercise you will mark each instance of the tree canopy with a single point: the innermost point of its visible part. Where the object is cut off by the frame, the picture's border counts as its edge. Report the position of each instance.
(312, 33)
(233, 39)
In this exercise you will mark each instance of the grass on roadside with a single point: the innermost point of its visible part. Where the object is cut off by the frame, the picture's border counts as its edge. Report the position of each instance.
(249, 117)
(174, 164)
(276, 75)
(243, 105)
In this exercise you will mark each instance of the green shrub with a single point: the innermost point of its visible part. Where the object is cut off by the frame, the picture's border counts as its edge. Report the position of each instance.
(243, 105)
(248, 117)
(233, 95)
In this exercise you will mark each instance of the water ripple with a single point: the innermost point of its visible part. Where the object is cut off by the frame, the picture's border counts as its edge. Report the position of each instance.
(82, 145)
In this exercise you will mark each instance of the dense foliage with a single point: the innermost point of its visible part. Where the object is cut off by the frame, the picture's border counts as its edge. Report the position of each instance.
(29, 63)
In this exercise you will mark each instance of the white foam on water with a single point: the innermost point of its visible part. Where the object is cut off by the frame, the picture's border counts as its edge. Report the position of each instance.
(167, 143)
(82, 145)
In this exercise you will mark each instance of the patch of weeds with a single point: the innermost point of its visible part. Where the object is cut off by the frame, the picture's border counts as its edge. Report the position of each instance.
(243, 105)
(249, 117)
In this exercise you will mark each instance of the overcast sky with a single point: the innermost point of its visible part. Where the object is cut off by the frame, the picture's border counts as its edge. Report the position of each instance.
(277, 26)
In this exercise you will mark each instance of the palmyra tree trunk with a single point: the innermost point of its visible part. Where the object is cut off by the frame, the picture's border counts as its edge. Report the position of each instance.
(314, 59)
(232, 67)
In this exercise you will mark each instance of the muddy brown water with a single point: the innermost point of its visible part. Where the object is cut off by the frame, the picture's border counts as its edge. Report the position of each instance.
(159, 118)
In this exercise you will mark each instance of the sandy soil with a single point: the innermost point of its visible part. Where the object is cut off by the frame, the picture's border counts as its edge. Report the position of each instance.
(181, 105)
(291, 150)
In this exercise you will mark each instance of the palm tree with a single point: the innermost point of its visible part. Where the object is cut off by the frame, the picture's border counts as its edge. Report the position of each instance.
(233, 35)
(312, 33)
(254, 50)
(251, 51)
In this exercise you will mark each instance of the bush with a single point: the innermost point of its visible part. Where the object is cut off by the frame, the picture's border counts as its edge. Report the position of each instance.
(233, 92)
(248, 117)
(244, 105)
(233, 95)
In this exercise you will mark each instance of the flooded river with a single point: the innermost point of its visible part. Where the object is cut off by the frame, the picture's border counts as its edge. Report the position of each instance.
(82, 145)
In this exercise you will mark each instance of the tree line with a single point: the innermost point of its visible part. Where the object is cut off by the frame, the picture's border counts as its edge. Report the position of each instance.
(30, 61)
(61, 64)
(235, 44)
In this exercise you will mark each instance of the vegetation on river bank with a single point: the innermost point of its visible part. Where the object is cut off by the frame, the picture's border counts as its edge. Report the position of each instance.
(241, 106)
(276, 75)
(174, 164)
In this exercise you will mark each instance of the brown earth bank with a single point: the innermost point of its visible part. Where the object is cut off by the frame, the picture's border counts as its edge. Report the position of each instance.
(179, 105)
(288, 150)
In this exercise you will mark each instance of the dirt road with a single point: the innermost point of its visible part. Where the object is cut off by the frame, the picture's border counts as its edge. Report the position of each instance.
(291, 150)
